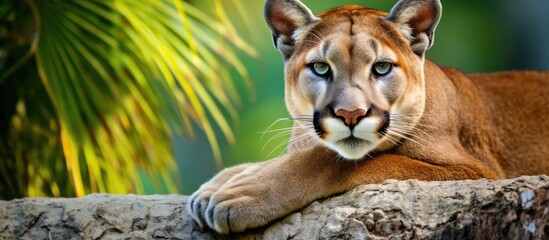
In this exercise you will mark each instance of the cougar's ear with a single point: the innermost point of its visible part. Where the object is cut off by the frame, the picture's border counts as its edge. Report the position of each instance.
(284, 17)
(418, 20)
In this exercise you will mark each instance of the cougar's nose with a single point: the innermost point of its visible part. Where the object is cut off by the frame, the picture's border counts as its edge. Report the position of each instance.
(351, 118)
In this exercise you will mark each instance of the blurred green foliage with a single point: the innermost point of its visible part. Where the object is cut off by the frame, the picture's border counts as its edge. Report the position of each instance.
(92, 90)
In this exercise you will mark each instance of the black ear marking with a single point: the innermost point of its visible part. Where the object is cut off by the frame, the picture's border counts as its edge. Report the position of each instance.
(284, 17)
(418, 20)
(274, 40)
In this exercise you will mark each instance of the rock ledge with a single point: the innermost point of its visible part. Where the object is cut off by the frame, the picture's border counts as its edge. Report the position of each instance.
(506, 209)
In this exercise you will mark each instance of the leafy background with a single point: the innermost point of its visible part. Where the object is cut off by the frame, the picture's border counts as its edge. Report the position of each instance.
(225, 50)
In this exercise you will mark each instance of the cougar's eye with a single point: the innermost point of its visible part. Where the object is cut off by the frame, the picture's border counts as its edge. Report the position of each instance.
(320, 69)
(382, 68)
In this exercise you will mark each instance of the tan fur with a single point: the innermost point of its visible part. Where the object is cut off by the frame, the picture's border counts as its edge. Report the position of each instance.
(457, 126)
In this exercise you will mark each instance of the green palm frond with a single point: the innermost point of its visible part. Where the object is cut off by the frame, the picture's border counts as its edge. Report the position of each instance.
(121, 74)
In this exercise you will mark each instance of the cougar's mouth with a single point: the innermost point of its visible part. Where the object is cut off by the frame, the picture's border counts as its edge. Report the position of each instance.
(353, 141)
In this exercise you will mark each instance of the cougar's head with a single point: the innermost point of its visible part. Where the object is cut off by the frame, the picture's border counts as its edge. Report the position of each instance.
(357, 71)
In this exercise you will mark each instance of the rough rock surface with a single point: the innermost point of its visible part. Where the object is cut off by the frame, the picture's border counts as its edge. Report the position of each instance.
(482, 209)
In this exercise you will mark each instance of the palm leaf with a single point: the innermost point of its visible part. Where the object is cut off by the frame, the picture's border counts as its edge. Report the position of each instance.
(120, 74)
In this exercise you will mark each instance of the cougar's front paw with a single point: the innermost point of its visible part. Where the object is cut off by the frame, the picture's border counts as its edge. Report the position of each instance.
(245, 202)
(198, 202)
(249, 199)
